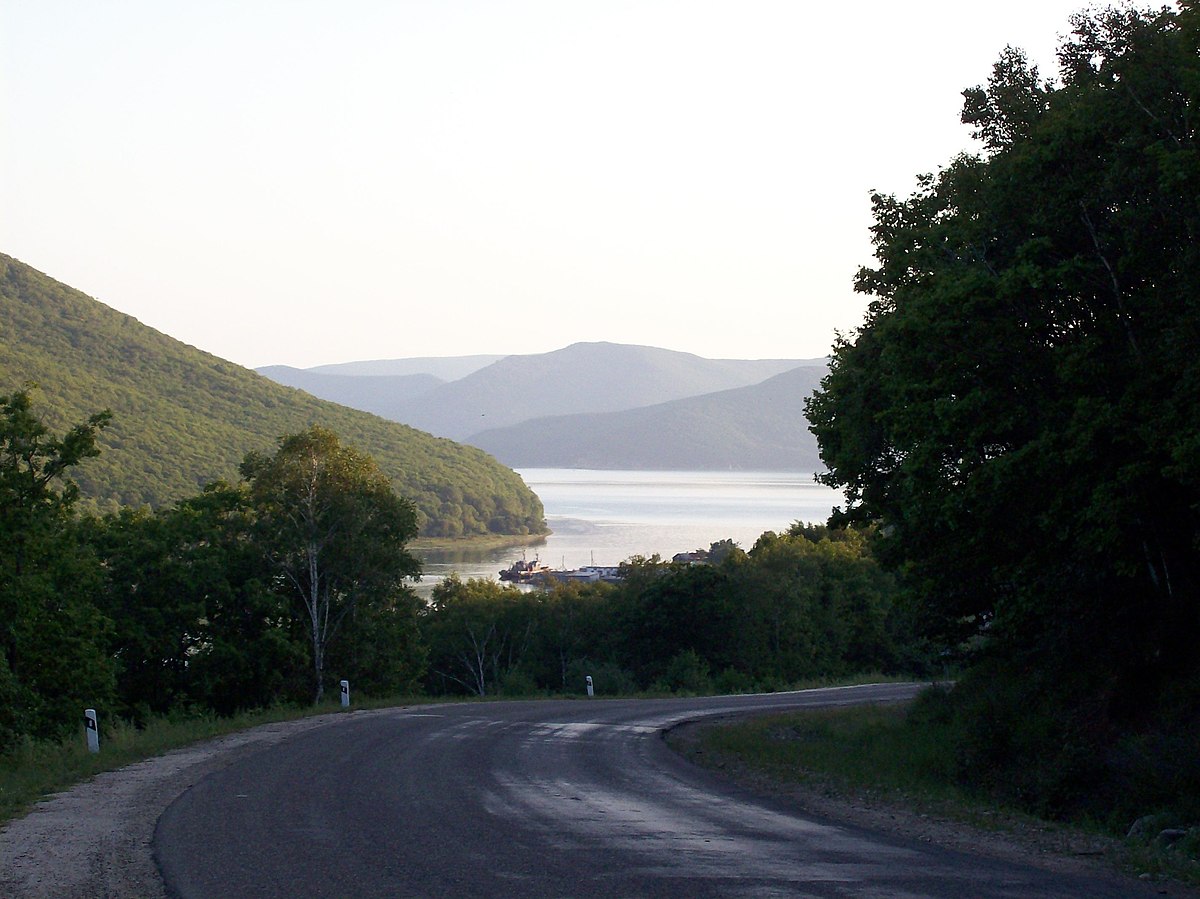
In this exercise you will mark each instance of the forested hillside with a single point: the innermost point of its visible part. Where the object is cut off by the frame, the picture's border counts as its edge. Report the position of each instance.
(182, 418)
(761, 428)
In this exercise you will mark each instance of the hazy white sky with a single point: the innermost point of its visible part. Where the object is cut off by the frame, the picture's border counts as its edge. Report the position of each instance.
(312, 182)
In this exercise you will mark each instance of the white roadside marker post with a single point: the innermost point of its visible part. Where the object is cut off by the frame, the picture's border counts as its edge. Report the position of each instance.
(93, 730)
(591, 690)
(345, 694)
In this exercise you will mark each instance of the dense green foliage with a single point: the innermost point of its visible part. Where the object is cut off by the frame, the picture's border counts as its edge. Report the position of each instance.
(196, 620)
(52, 639)
(808, 603)
(210, 605)
(1018, 414)
(182, 418)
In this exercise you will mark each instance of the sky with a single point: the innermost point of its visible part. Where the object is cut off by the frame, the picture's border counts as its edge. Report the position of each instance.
(305, 183)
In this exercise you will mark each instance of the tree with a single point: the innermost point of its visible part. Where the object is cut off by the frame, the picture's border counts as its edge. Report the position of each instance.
(1017, 411)
(196, 622)
(334, 530)
(478, 632)
(155, 607)
(52, 637)
(664, 609)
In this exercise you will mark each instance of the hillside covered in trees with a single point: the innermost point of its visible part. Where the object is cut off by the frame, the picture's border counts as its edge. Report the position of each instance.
(183, 418)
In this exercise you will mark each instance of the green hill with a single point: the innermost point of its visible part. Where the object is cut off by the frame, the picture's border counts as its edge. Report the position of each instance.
(183, 418)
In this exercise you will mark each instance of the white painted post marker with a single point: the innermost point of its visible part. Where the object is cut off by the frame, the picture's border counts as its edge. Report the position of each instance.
(93, 730)
(591, 691)
(345, 694)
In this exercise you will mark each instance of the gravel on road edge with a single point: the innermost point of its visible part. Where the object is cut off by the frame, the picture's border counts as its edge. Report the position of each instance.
(95, 839)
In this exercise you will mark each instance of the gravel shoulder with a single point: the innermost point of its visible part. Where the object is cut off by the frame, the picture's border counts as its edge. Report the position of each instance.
(95, 839)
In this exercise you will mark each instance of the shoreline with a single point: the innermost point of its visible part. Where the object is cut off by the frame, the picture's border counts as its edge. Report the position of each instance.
(480, 542)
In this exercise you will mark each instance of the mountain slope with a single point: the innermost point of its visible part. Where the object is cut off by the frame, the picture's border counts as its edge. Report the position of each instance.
(183, 417)
(584, 377)
(761, 427)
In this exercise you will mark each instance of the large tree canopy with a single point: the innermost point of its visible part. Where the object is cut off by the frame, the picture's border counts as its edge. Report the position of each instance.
(1019, 409)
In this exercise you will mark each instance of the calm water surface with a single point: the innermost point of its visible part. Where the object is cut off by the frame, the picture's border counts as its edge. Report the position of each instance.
(605, 517)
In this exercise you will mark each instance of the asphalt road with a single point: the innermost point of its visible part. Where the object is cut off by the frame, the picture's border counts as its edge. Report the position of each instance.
(531, 799)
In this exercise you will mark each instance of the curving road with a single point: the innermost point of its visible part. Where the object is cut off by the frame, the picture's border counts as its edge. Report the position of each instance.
(530, 799)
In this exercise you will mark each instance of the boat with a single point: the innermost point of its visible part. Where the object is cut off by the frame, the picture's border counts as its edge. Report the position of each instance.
(522, 572)
(589, 574)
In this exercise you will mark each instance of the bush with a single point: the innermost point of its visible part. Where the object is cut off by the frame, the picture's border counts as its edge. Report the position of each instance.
(519, 683)
(733, 681)
(608, 679)
(686, 673)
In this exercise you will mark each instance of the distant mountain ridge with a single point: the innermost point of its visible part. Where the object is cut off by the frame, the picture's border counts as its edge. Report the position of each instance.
(756, 428)
(583, 377)
(183, 417)
(444, 368)
(384, 395)
(574, 407)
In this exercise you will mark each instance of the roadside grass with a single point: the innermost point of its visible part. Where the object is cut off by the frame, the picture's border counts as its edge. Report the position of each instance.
(853, 748)
(36, 768)
(880, 754)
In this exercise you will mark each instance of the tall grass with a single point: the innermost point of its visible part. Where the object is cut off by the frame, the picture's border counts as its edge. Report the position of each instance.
(862, 747)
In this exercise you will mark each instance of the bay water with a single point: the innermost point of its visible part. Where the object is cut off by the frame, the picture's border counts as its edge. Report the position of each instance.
(606, 517)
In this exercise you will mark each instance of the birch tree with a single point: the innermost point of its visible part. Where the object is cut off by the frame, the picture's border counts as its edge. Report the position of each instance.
(479, 632)
(334, 530)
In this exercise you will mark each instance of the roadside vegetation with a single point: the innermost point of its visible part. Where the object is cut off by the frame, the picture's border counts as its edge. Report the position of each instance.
(1017, 419)
(902, 759)
(808, 603)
